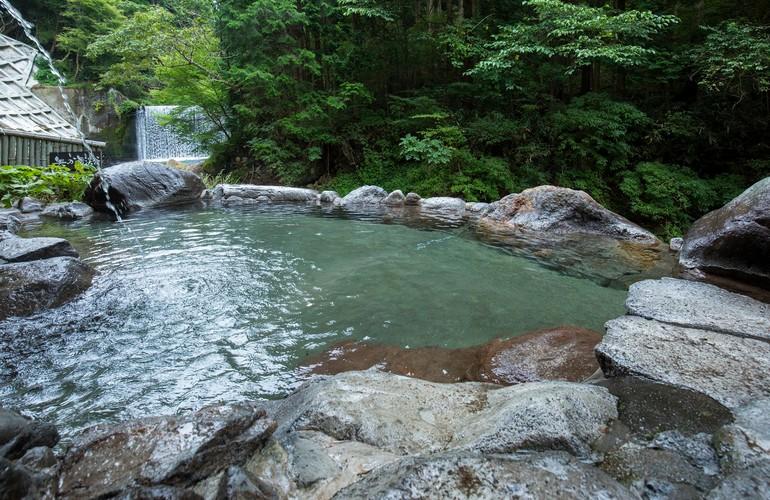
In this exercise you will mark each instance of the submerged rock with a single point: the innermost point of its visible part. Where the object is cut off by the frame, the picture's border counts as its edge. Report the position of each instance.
(733, 241)
(229, 194)
(729, 369)
(365, 195)
(28, 287)
(558, 210)
(16, 249)
(646, 408)
(142, 184)
(162, 451)
(699, 305)
(67, 211)
(564, 353)
(539, 475)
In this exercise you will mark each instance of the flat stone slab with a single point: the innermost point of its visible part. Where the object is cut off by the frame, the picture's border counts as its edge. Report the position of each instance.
(15, 249)
(729, 369)
(68, 211)
(239, 192)
(699, 305)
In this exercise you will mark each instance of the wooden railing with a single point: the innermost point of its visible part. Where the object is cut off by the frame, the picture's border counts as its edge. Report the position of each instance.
(27, 148)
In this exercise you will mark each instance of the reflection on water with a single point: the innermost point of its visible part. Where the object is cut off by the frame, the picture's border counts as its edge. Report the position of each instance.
(198, 306)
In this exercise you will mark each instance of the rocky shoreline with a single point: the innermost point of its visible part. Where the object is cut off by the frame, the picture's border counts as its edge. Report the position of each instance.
(681, 408)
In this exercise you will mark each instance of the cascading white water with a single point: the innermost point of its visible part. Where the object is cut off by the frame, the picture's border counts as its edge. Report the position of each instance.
(156, 141)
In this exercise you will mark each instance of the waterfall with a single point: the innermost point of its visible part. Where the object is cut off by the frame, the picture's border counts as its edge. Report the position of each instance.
(155, 141)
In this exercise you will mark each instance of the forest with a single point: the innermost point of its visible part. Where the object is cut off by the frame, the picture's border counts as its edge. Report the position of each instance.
(657, 108)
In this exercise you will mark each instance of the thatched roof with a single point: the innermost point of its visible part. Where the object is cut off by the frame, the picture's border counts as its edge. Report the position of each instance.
(21, 111)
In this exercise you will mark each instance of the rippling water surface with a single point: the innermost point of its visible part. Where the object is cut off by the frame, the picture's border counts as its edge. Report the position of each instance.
(193, 307)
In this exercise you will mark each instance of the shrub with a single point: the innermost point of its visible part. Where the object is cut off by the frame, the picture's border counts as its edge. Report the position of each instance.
(51, 183)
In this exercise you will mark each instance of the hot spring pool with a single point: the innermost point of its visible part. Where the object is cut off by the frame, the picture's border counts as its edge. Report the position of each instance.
(196, 306)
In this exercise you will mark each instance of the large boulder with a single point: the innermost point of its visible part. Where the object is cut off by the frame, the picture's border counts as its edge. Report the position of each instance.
(176, 452)
(141, 184)
(733, 241)
(15, 249)
(558, 210)
(727, 368)
(232, 194)
(333, 430)
(699, 305)
(28, 287)
(365, 195)
(539, 475)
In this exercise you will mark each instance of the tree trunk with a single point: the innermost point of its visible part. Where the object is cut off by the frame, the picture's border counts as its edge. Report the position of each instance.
(586, 80)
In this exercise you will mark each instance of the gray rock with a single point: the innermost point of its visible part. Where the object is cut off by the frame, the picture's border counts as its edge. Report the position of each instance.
(644, 469)
(365, 195)
(405, 415)
(696, 449)
(15, 249)
(67, 211)
(29, 205)
(753, 482)
(539, 475)
(699, 305)
(29, 287)
(396, 198)
(412, 199)
(250, 193)
(329, 196)
(40, 457)
(733, 241)
(746, 442)
(453, 206)
(477, 207)
(235, 483)
(335, 429)
(142, 184)
(731, 370)
(17, 482)
(18, 434)
(676, 244)
(558, 210)
(173, 451)
(9, 219)
(157, 493)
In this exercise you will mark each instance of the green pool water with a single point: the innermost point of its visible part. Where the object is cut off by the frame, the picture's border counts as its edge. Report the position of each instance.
(197, 306)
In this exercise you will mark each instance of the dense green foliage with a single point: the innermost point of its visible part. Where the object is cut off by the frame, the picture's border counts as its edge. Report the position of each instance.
(52, 183)
(657, 108)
